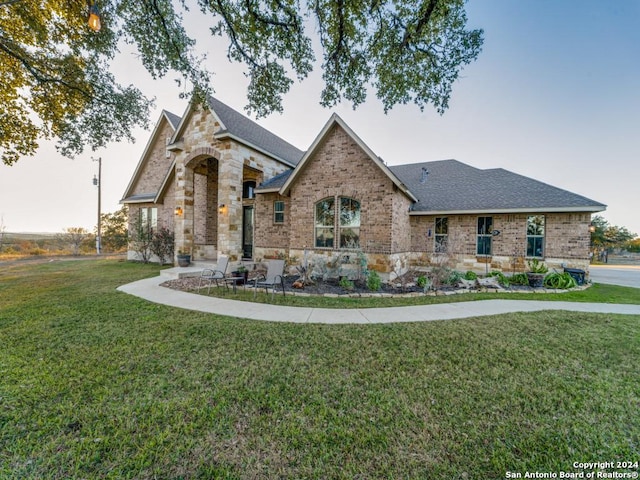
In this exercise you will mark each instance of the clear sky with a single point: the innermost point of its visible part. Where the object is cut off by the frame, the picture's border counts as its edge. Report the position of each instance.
(554, 95)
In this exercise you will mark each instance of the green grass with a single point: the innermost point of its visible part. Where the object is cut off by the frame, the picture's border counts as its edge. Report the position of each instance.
(95, 383)
(597, 293)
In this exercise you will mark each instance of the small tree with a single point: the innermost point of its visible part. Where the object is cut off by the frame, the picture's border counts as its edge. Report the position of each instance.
(162, 244)
(140, 241)
(114, 230)
(74, 237)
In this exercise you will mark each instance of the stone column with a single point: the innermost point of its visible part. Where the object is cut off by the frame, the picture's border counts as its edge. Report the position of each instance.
(230, 194)
(184, 199)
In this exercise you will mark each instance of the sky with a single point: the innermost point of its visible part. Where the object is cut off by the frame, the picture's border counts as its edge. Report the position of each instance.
(554, 95)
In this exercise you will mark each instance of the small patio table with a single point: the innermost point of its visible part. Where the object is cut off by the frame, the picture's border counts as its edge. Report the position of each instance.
(234, 281)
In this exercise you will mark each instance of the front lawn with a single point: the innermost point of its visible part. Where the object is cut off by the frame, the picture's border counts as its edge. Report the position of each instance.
(95, 383)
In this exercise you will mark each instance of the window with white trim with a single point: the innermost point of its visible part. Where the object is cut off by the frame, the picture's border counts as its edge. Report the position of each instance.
(148, 219)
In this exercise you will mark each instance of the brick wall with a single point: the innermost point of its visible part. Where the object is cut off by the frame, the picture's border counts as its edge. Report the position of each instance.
(341, 168)
(155, 167)
(566, 240)
(269, 234)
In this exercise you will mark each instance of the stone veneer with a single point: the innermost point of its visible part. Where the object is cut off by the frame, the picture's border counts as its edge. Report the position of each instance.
(209, 173)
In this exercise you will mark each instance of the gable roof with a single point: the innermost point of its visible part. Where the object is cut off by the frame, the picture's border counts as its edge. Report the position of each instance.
(173, 120)
(242, 129)
(454, 187)
(333, 121)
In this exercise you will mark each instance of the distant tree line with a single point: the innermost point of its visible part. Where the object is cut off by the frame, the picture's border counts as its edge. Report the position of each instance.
(72, 240)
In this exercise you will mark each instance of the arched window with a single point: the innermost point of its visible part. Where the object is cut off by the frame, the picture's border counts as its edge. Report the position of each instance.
(349, 223)
(343, 216)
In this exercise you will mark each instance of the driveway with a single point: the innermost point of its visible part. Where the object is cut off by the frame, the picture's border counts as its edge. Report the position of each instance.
(625, 275)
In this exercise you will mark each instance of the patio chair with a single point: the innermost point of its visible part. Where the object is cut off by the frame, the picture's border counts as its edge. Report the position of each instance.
(210, 275)
(273, 279)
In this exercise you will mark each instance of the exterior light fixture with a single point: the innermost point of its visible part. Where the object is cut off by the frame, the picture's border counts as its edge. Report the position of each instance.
(221, 208)
(94, 18)
(179, 211)
(592, 228)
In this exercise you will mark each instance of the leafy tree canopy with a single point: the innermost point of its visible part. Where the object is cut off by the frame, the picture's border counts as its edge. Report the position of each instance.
(55, 81)
(609, 236)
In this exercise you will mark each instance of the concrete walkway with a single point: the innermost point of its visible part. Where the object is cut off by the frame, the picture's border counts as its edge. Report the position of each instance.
(150, 289)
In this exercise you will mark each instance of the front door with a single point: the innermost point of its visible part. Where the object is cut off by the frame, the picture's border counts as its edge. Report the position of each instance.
(247, 232)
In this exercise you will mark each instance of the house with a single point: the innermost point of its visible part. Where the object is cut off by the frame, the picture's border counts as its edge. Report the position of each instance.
(226, 185)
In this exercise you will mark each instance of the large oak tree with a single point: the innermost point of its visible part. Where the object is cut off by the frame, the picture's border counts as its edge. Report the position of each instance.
(55, 82)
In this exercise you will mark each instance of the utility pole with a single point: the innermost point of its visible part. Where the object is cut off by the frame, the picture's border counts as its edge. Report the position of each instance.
(98, 182)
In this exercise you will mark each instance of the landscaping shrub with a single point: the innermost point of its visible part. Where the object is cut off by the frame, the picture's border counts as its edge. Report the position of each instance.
(502, 279)
(347, 284)
(453, 278)
(562, 281)
(374, 283)
(470, 275)
(519, 279)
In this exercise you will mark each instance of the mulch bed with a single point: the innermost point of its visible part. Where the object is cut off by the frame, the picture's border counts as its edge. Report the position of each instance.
(333, 287)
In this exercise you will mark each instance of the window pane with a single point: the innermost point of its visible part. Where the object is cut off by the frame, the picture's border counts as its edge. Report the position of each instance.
(325, 213)
(485, 225)
(484, 245)
(349, 212)
(154, 217)
(350, 238)
(278, 211)
(349, 223)
(442, 226)
(535, 247)
(535, 225)
(441, 243)
(324, 237)
(325, 223)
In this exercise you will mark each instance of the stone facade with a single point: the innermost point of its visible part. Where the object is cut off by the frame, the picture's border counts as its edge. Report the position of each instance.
(199, 182)
(209, 184)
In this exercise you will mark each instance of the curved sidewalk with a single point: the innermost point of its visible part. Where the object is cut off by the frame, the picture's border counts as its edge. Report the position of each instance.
(150, 289)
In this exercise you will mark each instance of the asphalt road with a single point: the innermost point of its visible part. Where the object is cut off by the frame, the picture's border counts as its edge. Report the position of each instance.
(624, 275)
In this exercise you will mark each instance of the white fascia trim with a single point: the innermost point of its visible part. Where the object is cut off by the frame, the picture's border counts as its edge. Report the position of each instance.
(143, 157)
(124, 201)
(165, 182)
(591, 209)
(223, 135)
(268, 190)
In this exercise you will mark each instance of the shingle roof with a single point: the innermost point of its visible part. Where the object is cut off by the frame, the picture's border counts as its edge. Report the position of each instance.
(276, 182)
(173, 118)
(452, 186)
(248, 131)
